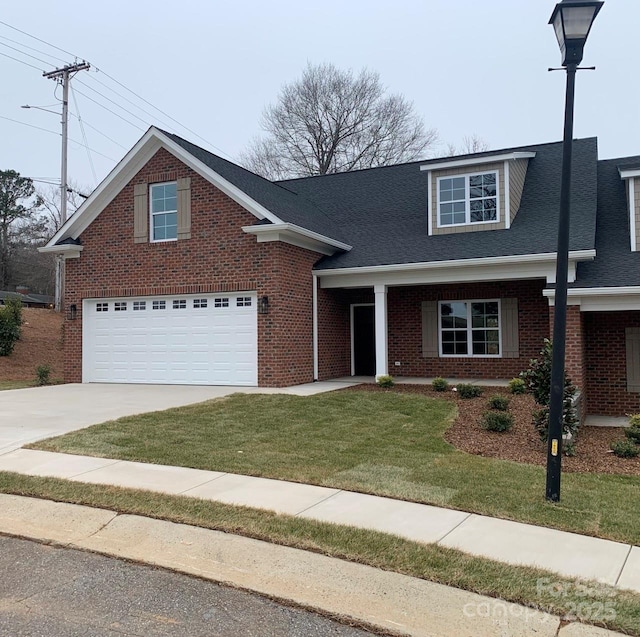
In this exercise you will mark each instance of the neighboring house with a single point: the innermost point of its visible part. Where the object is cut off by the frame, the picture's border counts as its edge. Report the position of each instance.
(185, 268)
(27, 298)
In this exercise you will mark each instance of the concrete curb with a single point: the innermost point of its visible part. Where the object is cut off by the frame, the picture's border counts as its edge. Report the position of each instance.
(369, 596)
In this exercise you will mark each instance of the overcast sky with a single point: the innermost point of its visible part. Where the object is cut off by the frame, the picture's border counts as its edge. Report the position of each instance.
(468, 66)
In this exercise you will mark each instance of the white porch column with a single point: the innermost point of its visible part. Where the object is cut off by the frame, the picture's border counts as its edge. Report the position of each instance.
(382, 365)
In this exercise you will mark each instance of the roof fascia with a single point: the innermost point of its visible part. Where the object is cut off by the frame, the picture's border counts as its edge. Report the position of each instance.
(532, 266)
(296, 235)
(603, 299)
(127, 168)
(67, 250)
(629, 173)
(474, 161)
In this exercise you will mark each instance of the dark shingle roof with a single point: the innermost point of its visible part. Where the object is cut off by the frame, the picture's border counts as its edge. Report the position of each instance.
(615, 264)
(382, 212)
(284, 203)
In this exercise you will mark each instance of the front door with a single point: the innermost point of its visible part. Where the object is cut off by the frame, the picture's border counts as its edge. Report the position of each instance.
(364, 340)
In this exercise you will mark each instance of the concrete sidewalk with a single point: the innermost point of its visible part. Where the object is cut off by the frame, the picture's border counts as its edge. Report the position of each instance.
(379, 599)
(568, 554)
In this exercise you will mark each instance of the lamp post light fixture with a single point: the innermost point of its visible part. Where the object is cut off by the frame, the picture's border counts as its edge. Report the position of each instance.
(572, 20)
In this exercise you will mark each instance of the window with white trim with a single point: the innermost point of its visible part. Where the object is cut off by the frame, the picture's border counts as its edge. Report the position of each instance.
(159, 305)
(243, 301)
(199, 303)
(102, 307)
(469, 328)
(468, 199)
(180, 304)
(221, 302)
(120, 306)
(163, 208)
(139, 305)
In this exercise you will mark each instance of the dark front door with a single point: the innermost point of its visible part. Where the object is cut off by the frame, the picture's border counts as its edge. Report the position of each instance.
(364, 340)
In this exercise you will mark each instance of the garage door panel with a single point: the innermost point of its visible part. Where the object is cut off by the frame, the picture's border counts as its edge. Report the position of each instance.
(203, 339)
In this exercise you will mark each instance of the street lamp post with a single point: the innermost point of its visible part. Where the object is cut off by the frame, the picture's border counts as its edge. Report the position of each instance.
(572, 20)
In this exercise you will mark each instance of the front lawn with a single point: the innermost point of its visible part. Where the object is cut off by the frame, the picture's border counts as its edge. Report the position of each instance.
(386, 443)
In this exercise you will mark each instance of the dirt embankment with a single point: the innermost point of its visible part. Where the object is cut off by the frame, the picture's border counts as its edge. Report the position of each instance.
(40, 344)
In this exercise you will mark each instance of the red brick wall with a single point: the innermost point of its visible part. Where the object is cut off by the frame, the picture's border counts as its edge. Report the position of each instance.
(405, 329)
(575, 355)
(334, 330)
(218, 257)
(606, 364)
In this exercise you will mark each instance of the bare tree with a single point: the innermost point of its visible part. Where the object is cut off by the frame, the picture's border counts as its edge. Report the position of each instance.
(470, 144)
(332, 121)
(50, 204)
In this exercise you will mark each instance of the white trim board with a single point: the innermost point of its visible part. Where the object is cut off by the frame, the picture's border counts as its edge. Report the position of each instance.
(296, 235)
(457, 162)
(605, 299)
(534, 266)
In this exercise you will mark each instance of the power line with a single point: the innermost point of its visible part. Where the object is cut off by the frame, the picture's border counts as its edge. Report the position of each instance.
(84, 137)
(46, 130)
(38, 39)
(144, 121)
(97, 130)
(106, 108)
(126, 99)
(13, 48)
(173, 119)
(22, 62)
(26, 46)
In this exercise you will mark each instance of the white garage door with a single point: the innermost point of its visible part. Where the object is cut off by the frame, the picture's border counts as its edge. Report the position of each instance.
(208, 339)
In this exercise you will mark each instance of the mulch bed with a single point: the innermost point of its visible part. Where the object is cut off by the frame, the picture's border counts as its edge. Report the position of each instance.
(521, 443)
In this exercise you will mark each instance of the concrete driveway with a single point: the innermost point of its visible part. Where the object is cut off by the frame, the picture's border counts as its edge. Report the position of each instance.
(27, 415)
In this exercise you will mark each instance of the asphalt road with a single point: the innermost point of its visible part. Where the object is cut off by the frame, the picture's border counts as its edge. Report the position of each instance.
(56, 592)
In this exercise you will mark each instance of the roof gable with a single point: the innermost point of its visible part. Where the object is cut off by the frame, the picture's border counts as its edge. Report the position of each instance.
(268, 202)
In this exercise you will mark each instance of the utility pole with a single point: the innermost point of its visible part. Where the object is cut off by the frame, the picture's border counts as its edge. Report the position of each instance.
(63, 76)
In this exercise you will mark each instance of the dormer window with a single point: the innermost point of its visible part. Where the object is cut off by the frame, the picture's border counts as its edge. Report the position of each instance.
(468, 199)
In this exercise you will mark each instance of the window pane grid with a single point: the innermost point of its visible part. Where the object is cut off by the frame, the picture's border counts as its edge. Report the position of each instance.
(164, 211)
(470, 328)
(468, 199)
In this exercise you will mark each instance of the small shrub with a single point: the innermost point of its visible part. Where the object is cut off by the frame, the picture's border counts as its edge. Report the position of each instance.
(14, 308)
(541, 423)
(634, 420)
(385, 381)
(43, 375)
(497, 421)
(440, 384)
(466, 390)
(538, 381)
(625, 449)
(9, 330)
(501, 403)
(569, 448)
(633, 433)
(517, 386)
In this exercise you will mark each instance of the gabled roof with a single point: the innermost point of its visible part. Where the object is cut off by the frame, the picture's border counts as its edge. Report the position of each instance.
(383, 211)
(289, 206)
(615, 265)
(267, 201)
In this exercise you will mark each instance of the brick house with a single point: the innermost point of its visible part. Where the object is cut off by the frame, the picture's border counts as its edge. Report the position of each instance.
(183, 267)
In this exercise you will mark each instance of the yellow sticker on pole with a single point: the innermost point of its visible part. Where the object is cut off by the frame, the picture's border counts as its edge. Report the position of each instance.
(554, 447)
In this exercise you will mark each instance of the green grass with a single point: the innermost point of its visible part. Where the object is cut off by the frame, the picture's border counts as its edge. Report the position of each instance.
(431, 562)
(16, 384)
(384, 443)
